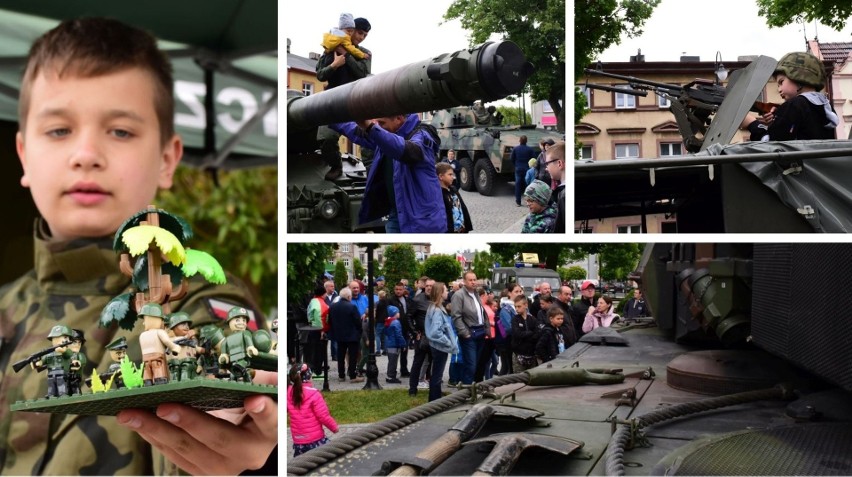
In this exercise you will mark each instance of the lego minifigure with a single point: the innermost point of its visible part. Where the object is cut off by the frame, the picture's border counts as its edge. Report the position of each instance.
(187, 364)
(153, 342)
(238, 346)
(117, 352)
(76, 362)
(56, 362)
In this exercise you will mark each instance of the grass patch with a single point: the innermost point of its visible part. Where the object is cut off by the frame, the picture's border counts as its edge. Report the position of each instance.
(359, 407)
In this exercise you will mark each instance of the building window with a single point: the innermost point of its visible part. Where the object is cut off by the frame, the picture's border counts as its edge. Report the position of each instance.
(671, 149)
(307, 88)
(344, 247)
(330, 261)
(625, 101)
(363, 258)
(346, 262)
(628, 229)
(587, 153)
(663, 102)
(627, 151)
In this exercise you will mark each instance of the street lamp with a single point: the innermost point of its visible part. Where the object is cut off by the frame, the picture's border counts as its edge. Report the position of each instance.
(719, 69)
(372, 369)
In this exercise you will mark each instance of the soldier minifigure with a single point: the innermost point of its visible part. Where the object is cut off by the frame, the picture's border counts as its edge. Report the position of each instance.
(238, 346)
(153, 342)
(55, 362)
(117, 352)
(186, 365)
(273, 349)
(76, 362)
(211, 345)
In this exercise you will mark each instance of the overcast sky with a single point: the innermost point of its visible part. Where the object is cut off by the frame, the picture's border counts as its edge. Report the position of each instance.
(450, 245)
(701, 28)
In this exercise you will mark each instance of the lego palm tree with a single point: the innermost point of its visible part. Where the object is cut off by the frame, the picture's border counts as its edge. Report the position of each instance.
(152, 246)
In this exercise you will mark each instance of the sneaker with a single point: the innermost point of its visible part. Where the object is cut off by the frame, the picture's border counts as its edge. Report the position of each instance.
(342, 379)
(423, 385)
(393, 381)
(358, 379)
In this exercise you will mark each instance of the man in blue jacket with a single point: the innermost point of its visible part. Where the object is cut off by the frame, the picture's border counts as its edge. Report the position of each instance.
(401, 183)
(521, 155)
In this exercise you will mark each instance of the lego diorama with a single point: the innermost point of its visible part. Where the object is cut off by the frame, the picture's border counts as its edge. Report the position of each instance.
(200, 364)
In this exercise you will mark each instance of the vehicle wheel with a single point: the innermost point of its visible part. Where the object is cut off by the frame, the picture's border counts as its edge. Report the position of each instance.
(485, 175)
(466, 174)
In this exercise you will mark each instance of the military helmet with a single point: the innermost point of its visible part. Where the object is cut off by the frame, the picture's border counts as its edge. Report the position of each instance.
(59, 330)
(117, 344)
(803, 68)
(178, 318)
(151, 309)
(237, 311)
(78, 335)
(212, 332)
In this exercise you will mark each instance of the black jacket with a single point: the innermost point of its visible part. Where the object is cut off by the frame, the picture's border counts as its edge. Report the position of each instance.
(344, 322)
(578, 313)
(417, 313)
(635, 308)
(795, 119)
(525, 334)
(448, 206)
(558, 197)
(404, 313)
(547, 347)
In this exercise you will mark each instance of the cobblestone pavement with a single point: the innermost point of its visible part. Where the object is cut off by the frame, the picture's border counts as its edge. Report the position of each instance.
(496, 213)
(337, 386)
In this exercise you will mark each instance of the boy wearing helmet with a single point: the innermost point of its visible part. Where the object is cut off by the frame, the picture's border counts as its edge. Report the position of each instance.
(805, 113)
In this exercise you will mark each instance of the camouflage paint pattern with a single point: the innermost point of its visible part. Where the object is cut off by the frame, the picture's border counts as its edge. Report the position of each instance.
(69, 285)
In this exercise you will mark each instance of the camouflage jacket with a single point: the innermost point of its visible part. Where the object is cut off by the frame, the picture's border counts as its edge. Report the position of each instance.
(70, 284)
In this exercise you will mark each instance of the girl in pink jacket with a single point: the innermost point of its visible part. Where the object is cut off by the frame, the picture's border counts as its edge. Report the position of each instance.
(307, 410)
(601, 315)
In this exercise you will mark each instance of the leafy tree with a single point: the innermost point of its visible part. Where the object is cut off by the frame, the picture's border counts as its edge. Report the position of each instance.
(305, 264)
(574, 272)
(483, 262)
(551, 254)
(598, 24)
(442, 268)
(341, 275)
(512, 116)
(833, 13)
(237, 222)
(400, 262)
(538, 27)
(358, 270)
(619, 259)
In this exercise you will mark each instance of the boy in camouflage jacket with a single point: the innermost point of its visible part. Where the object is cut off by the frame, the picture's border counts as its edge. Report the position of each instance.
(96, 141)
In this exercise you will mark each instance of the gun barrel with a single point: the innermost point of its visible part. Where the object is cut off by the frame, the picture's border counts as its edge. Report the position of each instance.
(632, 79)
(616, 89)
(488, 72)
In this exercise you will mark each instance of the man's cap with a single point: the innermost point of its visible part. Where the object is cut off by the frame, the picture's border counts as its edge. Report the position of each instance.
(538, 191)
(117, 344)
(392, 310)
(380, 278)
(587, 284)
(362, 24)
(346, 21)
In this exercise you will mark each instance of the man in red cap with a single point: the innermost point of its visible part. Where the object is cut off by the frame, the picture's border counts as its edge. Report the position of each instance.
(581, 306)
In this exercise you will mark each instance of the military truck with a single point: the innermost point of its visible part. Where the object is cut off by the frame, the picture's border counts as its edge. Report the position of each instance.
(483, 145)
(487, 72)
(731, 375)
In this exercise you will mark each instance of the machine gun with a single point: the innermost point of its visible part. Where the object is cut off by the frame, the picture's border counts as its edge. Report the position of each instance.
(691, 104)
(19, 365)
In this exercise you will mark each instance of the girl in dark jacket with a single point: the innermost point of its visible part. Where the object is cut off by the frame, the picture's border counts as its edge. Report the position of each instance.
(458, 219)
(556, 337)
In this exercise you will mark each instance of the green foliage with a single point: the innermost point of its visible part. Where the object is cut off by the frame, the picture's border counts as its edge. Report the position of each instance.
(551, 254)
(574, 272)
(442, 268)
(305, 264)
(512, 116)
(131, 374)
(355, 407)
(617, 260)
(358, 270)
(341, 275)
(400, 262)
(483, 263)
(833, 13)
(236, 222)
(538, 27)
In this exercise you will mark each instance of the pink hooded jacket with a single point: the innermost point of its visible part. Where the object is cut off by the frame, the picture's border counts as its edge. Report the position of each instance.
(597, 319)
(306, 421)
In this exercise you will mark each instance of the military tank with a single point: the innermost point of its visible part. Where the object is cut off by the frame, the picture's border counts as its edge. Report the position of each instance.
(483, 145)
(694, 389)
(487, 72)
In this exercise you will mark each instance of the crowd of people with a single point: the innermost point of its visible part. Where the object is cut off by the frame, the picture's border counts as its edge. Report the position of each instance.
(462, 327)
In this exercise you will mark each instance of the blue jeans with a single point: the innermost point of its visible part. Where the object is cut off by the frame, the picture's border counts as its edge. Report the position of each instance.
(439, 361)
(392, 225)
(470, 349)
(520, 185)
(380, 335)
(455, 372)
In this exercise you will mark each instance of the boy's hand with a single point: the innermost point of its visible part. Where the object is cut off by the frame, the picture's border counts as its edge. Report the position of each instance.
(767, 118)
(201, 443)
(339, 60)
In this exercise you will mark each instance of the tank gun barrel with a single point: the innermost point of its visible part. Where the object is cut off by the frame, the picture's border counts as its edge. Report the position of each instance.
(487, 72)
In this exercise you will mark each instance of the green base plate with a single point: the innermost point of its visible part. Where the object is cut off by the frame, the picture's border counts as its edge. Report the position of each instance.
(202, 394)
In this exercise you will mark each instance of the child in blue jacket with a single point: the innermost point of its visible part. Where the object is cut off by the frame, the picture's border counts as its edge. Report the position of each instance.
(394, 341)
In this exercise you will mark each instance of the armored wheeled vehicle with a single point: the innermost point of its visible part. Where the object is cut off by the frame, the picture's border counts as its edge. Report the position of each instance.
(487, 72)
(750, 187)
(483, 145)
(744, 368)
